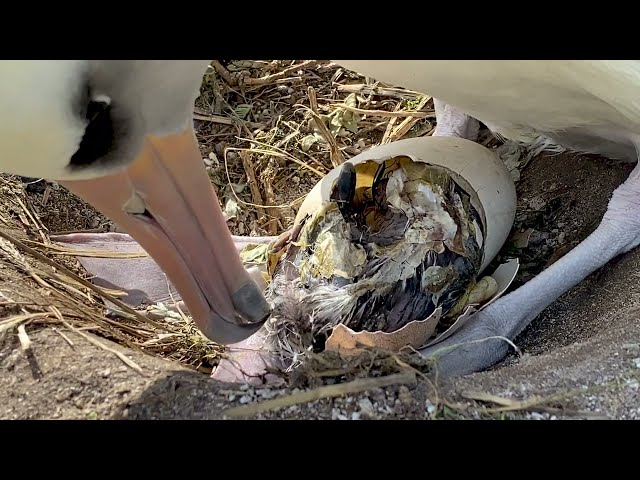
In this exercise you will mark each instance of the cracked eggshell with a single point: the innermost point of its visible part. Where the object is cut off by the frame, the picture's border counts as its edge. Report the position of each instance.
(486, 179)
(475, 168)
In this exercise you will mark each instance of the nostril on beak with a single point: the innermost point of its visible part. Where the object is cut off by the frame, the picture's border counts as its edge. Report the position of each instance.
(134, 205)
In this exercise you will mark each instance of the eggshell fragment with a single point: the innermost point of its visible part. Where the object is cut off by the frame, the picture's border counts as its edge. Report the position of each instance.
(413, 334)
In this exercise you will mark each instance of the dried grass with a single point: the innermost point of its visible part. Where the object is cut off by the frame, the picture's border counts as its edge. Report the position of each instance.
(38, 290)
(283, 137)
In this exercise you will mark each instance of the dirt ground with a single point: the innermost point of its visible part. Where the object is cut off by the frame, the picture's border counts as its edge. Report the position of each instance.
(583, 347)
(580, 357)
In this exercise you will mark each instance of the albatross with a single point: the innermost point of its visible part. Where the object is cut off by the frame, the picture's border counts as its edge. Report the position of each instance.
(119, 134)
(586, 106)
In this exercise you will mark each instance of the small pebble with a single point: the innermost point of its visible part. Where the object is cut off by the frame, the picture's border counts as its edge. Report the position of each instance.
(365, 405)
(122, 388)
(266, 393)
(245, 399)
(405, 397)
(355, 416)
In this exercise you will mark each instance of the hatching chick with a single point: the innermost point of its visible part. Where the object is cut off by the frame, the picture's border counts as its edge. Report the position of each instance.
(380, 257)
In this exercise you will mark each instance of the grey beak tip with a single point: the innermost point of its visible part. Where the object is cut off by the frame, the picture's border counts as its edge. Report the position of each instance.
(250, 304)
(225, 333)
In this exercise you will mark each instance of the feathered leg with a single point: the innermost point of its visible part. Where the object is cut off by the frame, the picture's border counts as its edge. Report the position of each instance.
(454, 123)
(471, 349)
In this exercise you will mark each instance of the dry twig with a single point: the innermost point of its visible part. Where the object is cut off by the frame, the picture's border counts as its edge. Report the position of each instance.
(408, 123)
(327, 391)
(80, 280)
(224, 73)
(251, 180)
(280, 75)
(337, 158)
(383, 113)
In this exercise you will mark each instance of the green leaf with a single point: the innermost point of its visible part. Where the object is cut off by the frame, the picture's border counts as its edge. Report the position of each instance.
(255, 254)
(307, 142)
(243, 110)
(347, 119)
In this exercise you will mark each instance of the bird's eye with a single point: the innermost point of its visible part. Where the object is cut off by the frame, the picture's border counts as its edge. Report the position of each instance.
(98, 139)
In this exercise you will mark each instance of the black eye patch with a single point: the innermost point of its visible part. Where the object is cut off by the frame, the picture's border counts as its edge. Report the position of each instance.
(99, 138)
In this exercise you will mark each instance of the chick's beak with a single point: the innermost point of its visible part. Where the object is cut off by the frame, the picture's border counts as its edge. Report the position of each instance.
(165, 201)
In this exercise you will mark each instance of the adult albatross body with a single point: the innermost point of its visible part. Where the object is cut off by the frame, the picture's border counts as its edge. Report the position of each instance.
(584, 106)
(119, 134)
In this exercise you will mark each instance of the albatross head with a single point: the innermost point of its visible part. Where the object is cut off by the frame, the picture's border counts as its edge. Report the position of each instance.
(119, 134)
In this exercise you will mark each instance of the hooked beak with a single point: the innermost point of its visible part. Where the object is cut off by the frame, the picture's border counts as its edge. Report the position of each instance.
(165, 201)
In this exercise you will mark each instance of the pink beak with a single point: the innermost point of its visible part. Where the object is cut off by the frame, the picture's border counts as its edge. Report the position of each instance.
(165, 202)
